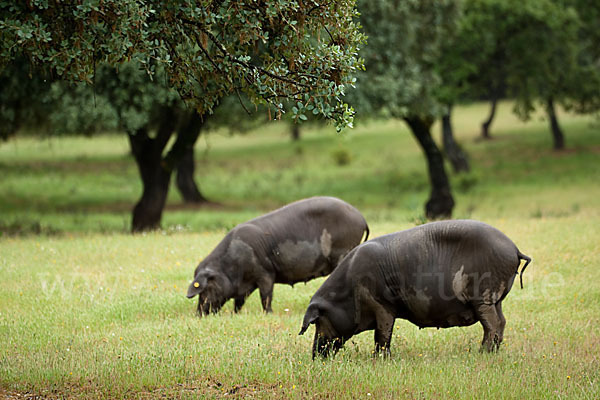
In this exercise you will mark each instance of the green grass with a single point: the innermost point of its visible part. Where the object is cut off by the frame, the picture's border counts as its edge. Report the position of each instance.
(80, 185)
(89, 311)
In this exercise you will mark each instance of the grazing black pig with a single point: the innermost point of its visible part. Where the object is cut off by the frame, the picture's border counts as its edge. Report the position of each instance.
(296, 243)
(441, 274)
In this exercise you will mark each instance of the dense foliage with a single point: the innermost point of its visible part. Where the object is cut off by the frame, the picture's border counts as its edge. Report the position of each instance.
(405, 38)
(539, 52)
(21, 98)
(271, 51)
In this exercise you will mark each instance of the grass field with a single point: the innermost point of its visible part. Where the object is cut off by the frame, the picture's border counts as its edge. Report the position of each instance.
(90, 311)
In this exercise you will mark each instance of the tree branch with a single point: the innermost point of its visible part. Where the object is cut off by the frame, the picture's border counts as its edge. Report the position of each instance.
(244, 64)
(242, 103)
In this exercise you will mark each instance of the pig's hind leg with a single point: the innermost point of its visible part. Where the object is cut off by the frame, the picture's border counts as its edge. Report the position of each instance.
(502, 324)
(492, 326)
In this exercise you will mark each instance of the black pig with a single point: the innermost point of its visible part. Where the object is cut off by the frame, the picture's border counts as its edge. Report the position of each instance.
(296, 243)
(441, 274)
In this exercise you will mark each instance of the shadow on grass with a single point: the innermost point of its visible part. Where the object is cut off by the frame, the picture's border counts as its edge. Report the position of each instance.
(52, 221)
(26, 228)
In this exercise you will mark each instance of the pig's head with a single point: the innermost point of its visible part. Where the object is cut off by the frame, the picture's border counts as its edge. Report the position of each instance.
(334, 324)
(212, 287)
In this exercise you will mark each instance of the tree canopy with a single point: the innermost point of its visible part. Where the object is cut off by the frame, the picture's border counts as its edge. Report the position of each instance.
(536, 51)
(272, 51)
(405, 40)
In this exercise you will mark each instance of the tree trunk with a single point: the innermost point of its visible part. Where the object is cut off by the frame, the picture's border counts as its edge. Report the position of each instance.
(185, 169)
(295, 132)
(557, 133)
(185, 179)
(440, 203)
(458, 158)
(485, 126)
(147, 213)
(156, 176)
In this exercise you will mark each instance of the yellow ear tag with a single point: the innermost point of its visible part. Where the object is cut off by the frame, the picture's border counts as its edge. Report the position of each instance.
(196, 284)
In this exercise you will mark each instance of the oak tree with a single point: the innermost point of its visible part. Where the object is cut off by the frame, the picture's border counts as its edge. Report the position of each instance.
(302, 52)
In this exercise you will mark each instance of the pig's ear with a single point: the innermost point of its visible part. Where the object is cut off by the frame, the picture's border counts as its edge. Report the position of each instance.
(197, 286)
(311, 317)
